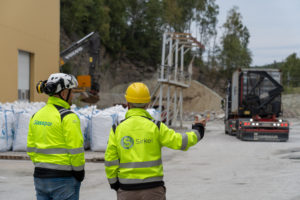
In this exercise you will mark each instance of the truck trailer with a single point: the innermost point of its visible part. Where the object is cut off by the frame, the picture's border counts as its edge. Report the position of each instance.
(253, 108)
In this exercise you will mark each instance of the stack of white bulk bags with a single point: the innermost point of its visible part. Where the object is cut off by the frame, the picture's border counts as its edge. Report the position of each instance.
(117, 110)
(95, 124)
(22, 115)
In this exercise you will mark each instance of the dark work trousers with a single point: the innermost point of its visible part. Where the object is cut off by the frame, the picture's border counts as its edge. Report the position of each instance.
(157, 193)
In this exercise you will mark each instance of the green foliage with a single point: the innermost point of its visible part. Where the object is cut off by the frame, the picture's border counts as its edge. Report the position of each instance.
(67, 68)
(206, 17)
(275, 65)
(144, 30)
(173, 16)
(117, 25)
(134, 28)
(291, 71)
(84, 16)
(291, 90)
(234, 52)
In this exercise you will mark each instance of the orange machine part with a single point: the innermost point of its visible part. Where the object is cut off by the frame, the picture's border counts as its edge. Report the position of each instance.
(84, 81)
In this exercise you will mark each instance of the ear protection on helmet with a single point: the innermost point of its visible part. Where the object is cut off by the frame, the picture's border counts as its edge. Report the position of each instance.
(49, 88)
(56, 83)
(40, 86)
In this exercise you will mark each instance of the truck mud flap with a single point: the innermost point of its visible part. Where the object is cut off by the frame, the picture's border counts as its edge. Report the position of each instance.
(263, 136)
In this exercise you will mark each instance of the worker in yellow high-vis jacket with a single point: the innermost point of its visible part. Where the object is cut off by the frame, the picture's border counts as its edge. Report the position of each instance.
(55, 142)
(133, 162)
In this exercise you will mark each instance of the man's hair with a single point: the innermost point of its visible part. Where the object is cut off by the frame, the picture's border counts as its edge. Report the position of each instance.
(138, 105)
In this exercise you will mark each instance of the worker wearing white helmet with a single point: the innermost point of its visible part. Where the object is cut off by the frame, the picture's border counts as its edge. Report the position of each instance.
(133, 162)
(55, 141)
(58, 84)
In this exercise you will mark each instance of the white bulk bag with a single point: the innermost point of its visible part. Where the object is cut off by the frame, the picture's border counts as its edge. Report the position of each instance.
(3, 132)
(101, 124)
(10, 118)
(154, 113)
(121, 116)
(6, 130)
(84, 129)
(21, 131)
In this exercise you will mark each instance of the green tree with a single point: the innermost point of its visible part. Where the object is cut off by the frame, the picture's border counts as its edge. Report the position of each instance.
(206, 19)
(291, 71)
(133, 28)
(117, 26)
(84, 16)
(144, 30)
(234, 43)
(172, 16)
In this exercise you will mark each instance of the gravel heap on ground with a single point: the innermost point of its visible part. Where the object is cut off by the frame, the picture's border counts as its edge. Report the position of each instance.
(197, 99)
(291, 105)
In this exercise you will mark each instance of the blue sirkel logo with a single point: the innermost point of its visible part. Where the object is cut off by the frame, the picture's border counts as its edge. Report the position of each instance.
(127, 142)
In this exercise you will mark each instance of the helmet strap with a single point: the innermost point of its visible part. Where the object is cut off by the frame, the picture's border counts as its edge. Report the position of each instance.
(68, 96)
(61, 96)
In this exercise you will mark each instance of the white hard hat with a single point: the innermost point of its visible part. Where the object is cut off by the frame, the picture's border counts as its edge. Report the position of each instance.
(58, 82)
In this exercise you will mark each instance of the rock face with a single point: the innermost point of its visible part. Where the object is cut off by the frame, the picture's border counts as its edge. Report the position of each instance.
(113, 71)
(122, 72)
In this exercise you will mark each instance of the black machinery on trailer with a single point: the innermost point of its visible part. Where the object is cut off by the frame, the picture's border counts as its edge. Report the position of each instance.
(253, 108)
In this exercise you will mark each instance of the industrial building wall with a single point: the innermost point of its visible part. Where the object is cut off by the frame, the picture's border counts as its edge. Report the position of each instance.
(29, 34)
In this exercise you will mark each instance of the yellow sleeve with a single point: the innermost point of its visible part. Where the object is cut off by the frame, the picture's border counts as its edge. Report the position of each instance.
(171, 139)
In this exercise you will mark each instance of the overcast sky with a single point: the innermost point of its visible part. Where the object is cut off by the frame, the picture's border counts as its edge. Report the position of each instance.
(274, 27)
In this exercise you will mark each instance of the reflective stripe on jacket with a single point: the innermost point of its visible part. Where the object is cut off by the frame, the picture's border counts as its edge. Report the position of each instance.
(53, 143)
(133, 153)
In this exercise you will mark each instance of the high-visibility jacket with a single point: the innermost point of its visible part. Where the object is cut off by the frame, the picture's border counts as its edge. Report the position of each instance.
(133, 153)
(54, 140)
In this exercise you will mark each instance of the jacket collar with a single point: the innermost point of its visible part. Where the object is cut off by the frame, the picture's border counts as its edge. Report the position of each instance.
(58, 101)
(137, 112)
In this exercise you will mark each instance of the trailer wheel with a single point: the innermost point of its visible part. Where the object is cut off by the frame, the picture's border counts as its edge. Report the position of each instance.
(238, 135)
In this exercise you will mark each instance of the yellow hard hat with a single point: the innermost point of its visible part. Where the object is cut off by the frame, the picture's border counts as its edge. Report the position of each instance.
(137, 93)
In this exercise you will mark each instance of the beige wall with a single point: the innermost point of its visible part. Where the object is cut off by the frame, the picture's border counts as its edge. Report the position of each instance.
(32, 26)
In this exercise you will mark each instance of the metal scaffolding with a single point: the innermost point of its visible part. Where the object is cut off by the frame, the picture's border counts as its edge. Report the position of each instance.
(174, 75)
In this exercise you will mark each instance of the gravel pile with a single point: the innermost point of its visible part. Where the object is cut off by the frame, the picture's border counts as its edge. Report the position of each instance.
(291, 105)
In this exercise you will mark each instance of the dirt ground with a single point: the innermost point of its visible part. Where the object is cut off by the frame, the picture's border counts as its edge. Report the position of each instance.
(220, 167)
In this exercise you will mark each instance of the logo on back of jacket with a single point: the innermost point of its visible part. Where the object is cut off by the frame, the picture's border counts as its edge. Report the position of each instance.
(127, 142)
(42, 123)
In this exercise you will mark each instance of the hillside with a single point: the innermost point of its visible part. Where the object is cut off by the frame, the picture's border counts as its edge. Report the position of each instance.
(117, 74)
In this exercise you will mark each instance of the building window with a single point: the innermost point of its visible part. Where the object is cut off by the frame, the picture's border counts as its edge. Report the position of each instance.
(23, 76)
